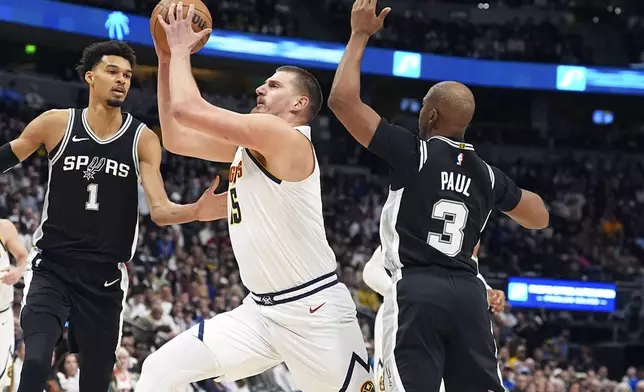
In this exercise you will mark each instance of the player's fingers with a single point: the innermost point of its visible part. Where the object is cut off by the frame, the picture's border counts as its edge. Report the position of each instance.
(191, 12)
(163, 23)
(384, 13)
(172, 13)
(180, 11)
(203, 34)
(215, 184)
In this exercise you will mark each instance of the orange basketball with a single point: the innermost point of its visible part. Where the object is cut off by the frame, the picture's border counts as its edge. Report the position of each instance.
(201, 20)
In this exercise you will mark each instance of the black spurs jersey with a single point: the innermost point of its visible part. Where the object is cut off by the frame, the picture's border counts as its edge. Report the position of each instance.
(90, 213)
(441, 196)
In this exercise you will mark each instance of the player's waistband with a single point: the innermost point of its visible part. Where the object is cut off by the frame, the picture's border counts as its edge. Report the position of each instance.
(298, 292)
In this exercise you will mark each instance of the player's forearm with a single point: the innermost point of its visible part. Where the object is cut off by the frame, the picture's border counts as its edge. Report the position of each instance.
(183, 87)
(173, 214)
(346, 84)
(8, 158)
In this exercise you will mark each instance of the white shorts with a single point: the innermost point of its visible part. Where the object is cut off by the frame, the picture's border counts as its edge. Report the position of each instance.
(317, 337)
(7, 343)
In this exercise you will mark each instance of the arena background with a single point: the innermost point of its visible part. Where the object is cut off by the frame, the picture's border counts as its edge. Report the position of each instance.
(559, 108)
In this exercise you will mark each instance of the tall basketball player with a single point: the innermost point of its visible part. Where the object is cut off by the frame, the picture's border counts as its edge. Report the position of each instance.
(297, 312)
(97, 156)
(10, 242)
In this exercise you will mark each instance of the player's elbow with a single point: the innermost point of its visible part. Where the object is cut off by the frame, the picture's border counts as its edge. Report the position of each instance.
(338, 101)
(531, 213)
(182, 111)
(159, 218)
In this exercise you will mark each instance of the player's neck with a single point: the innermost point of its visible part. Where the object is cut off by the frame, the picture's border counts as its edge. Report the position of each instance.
(450, 134)
(104, 120)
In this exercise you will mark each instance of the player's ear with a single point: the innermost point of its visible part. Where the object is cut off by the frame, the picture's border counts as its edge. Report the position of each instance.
(433, 116)
(89, 77)
(302, 103)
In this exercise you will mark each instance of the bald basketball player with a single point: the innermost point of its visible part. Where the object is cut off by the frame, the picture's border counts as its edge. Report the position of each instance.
(436, 319)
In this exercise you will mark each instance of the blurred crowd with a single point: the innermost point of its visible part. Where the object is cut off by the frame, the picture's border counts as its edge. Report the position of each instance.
(411, 27)
(182, 274)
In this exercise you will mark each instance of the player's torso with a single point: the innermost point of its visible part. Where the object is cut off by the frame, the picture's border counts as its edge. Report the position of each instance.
(91, 206)
(6, 291)
(437, 217)
(276, 227)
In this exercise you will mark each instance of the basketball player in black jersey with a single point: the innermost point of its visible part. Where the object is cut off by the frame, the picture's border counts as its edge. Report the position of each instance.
(97, 156)
(436, 320)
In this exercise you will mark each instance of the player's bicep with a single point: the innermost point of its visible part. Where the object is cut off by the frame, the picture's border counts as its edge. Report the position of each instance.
(149, 168)
(398, 147)
(506, 193)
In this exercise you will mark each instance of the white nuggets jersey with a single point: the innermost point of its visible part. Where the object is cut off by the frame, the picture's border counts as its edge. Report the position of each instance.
(6, 291)
(276, 227)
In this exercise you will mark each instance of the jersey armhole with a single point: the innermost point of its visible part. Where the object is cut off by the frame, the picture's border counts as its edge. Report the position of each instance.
(57, 151)
(135, 150)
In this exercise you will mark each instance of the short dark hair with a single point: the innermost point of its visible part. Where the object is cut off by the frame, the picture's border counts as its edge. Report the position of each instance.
(309, 85)
(93, 54)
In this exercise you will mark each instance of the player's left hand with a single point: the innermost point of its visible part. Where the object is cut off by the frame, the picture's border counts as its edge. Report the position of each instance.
(496, 300)
(181, 36)
(212, 206)
(364, 19)
(12, 275)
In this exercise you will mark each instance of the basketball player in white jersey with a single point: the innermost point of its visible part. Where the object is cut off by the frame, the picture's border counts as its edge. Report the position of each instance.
(9, 275)
(376, 277)
(297, 312)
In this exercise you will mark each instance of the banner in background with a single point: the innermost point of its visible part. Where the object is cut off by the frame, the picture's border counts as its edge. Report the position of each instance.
(562, 294)
(107, 24)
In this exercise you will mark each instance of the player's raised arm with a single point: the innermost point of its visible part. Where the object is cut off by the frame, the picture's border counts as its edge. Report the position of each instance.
(11, 240)
(209, 207)
(344, 100)
(265, 133)
(46, 129)
(179, 139)
(524, 207)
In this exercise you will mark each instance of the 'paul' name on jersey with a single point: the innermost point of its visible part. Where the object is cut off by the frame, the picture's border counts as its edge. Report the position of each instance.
(455, 182)
(95, 165)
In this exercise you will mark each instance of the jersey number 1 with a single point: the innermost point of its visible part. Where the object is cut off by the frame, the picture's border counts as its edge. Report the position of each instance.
(92, 202)
(454, 215)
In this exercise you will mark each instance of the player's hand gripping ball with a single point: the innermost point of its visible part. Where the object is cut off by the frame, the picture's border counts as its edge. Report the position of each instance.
(201, 20)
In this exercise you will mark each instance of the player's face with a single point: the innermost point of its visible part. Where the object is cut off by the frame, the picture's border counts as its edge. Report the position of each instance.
(278, 95)
(426, 118)
(110, 80)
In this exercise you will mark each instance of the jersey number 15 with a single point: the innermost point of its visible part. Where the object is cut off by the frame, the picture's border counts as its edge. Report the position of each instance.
(454, 215)
(235, 212)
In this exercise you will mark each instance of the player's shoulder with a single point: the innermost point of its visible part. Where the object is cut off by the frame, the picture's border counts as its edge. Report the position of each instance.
(54, 117)
(7, 228)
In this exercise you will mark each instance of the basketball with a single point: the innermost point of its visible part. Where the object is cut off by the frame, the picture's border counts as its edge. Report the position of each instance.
(201, 20)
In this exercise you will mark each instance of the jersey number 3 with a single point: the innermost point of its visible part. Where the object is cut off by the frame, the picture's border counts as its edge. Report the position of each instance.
(454, 215)
(235, 212)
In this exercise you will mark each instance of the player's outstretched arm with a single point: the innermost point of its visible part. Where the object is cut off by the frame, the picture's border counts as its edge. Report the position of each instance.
(210, 206)
(531, 211)
(41, 130)
(524, 207)
(374, 274)
(179, 139)
(11, 240)
(344, 100)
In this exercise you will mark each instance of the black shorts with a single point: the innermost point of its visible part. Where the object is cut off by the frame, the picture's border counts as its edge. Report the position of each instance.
(438, 326)
(89, 296)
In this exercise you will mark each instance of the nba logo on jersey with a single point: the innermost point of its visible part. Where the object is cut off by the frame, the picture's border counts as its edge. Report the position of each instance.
(459, 159)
